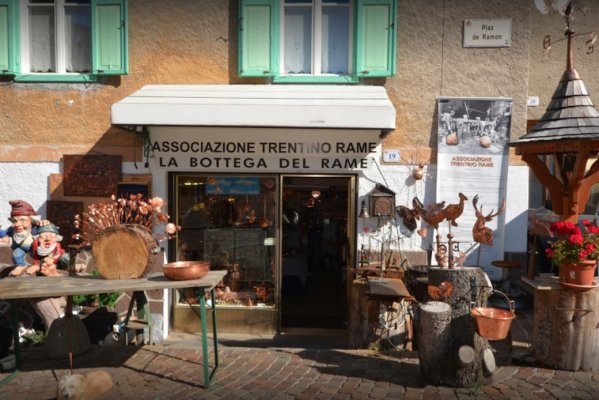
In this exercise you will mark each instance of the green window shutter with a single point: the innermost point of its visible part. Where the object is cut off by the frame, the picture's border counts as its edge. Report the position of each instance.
(258, 38)
(9, 30)
(375, 38)
(109, 37)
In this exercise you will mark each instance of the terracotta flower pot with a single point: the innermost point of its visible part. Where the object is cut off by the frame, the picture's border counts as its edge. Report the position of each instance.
(581, 274)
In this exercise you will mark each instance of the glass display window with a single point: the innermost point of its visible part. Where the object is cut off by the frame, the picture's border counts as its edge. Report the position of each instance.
(229, 221)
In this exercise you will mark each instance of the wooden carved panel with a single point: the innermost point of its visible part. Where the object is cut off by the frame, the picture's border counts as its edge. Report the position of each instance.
(62, 214)
(91, 175)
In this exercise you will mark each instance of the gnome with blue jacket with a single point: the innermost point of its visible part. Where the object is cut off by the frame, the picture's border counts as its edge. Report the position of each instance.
(24, 220)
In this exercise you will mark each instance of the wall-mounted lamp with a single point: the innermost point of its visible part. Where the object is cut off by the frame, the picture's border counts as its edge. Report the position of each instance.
(364, 211)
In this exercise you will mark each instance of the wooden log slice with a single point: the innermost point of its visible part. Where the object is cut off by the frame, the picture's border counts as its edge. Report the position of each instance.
(123, 251)
(466, 355)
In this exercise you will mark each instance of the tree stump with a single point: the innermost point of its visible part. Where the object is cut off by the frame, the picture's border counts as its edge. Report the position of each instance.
(434, 335)
(459, 368)
(67, 336)
(123, 251)
(417, 287)
(565, 331)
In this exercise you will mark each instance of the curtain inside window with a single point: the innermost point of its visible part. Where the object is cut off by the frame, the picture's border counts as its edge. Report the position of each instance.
(335, 40)
(298, 42)
(77, 39)
(42, 39)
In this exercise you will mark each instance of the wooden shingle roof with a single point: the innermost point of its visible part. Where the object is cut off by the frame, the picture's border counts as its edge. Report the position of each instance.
(569, 116)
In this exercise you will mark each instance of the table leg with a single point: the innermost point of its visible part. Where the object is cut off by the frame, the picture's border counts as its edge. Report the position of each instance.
(17, 344)
(15, 334)
(214, 335)
(206, 364)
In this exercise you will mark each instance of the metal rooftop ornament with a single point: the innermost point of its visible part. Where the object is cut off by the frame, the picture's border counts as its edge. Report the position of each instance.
(566, 136)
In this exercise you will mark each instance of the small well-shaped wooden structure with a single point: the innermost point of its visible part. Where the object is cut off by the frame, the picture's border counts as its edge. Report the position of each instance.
(568, 133)
(565, 332)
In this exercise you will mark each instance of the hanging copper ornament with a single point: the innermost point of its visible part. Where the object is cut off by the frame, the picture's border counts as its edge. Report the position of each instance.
(418, 172)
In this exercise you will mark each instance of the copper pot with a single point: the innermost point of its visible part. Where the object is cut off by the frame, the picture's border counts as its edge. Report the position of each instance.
(186, 270)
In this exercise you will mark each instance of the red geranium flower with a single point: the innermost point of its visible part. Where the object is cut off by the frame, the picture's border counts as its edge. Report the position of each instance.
(573, 244)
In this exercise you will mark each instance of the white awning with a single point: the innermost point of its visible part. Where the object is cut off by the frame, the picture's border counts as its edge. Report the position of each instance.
(311, 106)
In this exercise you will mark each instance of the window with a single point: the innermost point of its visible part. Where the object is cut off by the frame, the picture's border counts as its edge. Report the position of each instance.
(317, 40)
(316, 37)
(229, 221)
(62, 40)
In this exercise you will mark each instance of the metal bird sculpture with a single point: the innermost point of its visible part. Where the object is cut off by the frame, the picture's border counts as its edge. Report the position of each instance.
(432, 214)
(453, 211)
(409, 217)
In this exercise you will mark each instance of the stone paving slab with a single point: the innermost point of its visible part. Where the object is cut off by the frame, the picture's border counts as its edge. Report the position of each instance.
(259, 368)
(175, 372)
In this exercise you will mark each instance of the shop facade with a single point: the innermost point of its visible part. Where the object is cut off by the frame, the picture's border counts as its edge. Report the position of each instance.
(273, 201)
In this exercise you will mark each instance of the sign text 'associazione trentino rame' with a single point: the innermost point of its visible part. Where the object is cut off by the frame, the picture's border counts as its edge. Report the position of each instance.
(264, 155)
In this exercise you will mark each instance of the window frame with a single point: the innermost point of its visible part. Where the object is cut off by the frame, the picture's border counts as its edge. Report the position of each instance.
(365, 27)
(109, 39)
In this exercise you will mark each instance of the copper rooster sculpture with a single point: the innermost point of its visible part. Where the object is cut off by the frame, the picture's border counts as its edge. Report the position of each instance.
(480, 233)
(441, 292)
(453, 211)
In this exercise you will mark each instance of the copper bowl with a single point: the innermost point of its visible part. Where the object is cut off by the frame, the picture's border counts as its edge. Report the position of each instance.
(186, 270)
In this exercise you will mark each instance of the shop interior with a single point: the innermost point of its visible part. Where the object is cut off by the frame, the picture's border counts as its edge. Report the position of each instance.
(315, 252)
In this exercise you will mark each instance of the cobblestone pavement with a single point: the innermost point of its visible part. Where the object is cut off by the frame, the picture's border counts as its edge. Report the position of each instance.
(254, 370)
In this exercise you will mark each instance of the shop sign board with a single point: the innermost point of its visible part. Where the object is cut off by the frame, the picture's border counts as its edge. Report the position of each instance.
(219, 149)
(488, 32)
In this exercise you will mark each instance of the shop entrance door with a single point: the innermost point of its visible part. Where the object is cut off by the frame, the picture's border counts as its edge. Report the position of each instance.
(316, 226)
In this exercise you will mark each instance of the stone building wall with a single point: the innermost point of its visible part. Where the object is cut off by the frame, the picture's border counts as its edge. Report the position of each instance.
(195, 42)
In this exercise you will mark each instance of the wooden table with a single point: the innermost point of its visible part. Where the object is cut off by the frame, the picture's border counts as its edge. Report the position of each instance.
(14, 289)
(565, 334)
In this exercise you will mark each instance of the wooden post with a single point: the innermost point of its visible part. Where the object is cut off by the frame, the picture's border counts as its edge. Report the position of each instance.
(362, 316)
(565, 334)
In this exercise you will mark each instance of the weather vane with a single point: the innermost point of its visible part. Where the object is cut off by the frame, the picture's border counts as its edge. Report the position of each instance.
(565, 8)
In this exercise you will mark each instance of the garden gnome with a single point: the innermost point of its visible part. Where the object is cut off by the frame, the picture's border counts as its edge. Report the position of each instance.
(47, 253)
(23, 217)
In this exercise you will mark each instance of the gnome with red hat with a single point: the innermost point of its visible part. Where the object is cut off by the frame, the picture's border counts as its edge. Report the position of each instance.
(23, 218)
(47, 253)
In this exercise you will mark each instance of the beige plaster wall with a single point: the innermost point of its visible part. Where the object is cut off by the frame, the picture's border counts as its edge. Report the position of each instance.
(547, 67)
(194, 41)
(186, 43)
(432, 63)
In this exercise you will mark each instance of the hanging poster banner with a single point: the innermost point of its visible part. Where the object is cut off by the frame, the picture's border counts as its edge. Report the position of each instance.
(473, 138)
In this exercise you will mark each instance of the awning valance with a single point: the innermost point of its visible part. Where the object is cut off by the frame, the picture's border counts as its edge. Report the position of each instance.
(311, 106)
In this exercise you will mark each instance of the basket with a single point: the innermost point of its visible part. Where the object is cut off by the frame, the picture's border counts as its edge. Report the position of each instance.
(494, 323)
